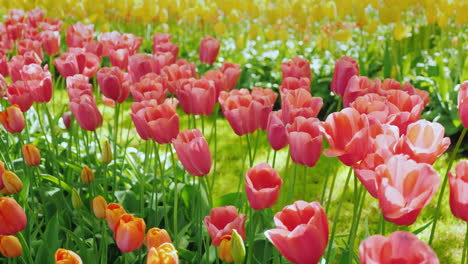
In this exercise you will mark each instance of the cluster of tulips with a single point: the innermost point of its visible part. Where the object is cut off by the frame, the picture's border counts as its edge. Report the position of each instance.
(378, 134)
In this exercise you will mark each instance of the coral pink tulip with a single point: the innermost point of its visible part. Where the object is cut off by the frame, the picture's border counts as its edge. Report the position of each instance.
(78, 35)
(297, 67)
(399, 247)
(12, 216)
(209, 48)
(51, 42)
(276, 131)
(139, 65)
(19, 93)
(221, 222)
(293, 83)
(30, 45)
(347, 132)
(167, 47)
(345, 68)
(151, 86)
(86, 113)
(35, 16)
(182, 69)
(95, 47)
(119, 58)
(193, 152)
(162, 59)
(299, 103)
(458, 191)
(38, 81)
(52, 24)
(232, 72)
(404, 188)
(305, 140)
(114, 83)
(12, 119)
(301, 233)
(197, 97)
(77, 61)
(78, 85)
(463, 103)
(262, 186)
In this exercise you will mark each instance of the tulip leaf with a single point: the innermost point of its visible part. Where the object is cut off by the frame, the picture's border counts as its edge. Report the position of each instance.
(50, 241)
(53, 179)
(422, 228)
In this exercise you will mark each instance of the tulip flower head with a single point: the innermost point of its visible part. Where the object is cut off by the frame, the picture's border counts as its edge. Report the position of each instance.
(399, 247)
(12, 216)
(129, 233)
(12, 119)
(31, 155)
(345, 68)
(262, 186)
(65, 256)
(193, 152)
(458, 195)
(155, 237)
(164, 254)
(463, 103)
(221, 222)
(305, 140)
(209, 48)
(99, 206)
(301, 233)
(113, 213)
(12, 184)
(10, 246)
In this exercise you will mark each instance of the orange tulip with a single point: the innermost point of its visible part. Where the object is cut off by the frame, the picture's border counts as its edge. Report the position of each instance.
(12, 216)
(87, 175)
(99, 206)
(12, 119)
(129, 232)
(31, 155)
(164, 254)
(65, 256)
(224, 249)
(113, 213)
(10, 246)
(156, 237)
(12, 184)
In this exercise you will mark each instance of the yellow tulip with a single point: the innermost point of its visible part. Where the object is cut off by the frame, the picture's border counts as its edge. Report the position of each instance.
(401, 31)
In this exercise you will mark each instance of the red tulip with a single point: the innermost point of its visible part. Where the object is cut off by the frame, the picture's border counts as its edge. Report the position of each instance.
(38, 81)
(12, 217)
(78, 35)
(52, 24)
(262, 186)
(35, 16)
(12, 119)
(15, 29)
(19, 94)
(51, 42)
(86, 113)
(305, 140)
(458, 191)
(193, 152)
(77, 61)
(209, 48)
(399, 247)
(78, 85)
(66, 118)
(95, 47)
(159, 122)
(197, 97)
(231, 72)
(15, 64)
(151, 86)
(129, 233)
(221, 222)
(463, 103)
(301, 233)
(299, 103)
(404, 187)
(276, 131)
(119, 58)
(114, 83)
(347, 132)
(297, 67)
(345, 68)
(424, 141)
(30, 45)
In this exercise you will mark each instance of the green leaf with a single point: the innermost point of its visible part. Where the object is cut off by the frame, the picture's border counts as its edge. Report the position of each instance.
(50, 242)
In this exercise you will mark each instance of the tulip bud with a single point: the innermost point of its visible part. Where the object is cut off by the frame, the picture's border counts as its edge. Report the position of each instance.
(12, 184)
(10, 246)
(66, 118)
(106, 153)
(87, 175)
(156, 237)
(237, 247)
(12, 119)
(224, 249)
(31, 155)
(76, 199)
(99, 206)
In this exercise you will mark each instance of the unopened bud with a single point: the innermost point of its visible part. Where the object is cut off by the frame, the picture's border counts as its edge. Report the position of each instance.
(237, 247)
(224, 249)
(106, 153)
(12, 184)
(99, 207)
(87, 175)
(76, 199)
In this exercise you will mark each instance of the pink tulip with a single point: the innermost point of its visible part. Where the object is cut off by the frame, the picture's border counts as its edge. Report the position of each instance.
(3, 86)
(262, 186)
(77, 61)
(410, 109)
(209, 48)
(114, 83)
(404, 187)
(139, 65)
(463, 103)
(299, 103)
(305, 140)
(193, 152)
(78, 35)
(30, 45)
(276, 131)
(458, 191)
(151, 86)
(182, 69)
(163, 59)
(3, 65)
(86, 113)
(301, 233)
(297, 67)
(399, 247)
(35, 16)
(197, 97)
(51, 42)
(19, 93)
(78, 85)
(293, 83)
(52, 24)
(232, 72)
(95, 47)
(119, 58)
(38, 81)
(221, 222)
(161, 38)
(167, 47)
(345, 68)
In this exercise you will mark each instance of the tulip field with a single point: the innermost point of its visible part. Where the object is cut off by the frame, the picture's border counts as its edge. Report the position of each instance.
(224, 131)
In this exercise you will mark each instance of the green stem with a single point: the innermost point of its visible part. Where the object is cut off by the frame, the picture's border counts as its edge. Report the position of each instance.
(444, 184)
(116, 129)
(249, 150)
(465, 246)
(176, 196)
(332, 188)
(274, 159)
(337, 214)
(26, 247)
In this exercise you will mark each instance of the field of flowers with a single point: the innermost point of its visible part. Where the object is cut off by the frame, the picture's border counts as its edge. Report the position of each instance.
(227, 131)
